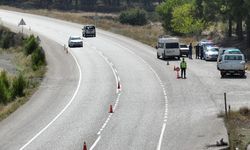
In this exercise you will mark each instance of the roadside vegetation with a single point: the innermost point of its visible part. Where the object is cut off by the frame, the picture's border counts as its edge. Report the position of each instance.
(238, 125)
(29, 61)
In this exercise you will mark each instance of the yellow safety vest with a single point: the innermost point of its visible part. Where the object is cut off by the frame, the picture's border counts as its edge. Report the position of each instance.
(183, 65)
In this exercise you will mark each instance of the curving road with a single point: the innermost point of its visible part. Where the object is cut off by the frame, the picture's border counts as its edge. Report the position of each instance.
(152, 110)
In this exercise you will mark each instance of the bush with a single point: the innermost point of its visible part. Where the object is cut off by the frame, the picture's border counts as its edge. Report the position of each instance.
(18, 86)
(4, 88)
(31, 45)
(133, 17)
(37, 58)
(6, 38)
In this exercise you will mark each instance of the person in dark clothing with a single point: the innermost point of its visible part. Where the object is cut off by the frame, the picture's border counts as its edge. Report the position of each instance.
(197, 51)
(201, 52)
(183, 66)
(190, 51)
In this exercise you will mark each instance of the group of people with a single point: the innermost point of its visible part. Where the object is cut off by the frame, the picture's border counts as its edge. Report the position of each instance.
(198, 55)
(198, 51)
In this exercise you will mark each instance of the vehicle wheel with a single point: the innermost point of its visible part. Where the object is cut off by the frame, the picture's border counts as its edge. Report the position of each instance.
(163, 56)
(179, 58)
(242, 74)
(222, 74)
(158, 56)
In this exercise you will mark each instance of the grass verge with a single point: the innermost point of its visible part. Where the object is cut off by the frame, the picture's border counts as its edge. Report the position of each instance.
(238, 126)
(23, 64)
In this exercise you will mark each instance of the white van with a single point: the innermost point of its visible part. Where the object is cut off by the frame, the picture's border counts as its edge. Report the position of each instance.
(168, 47)
(232, 64)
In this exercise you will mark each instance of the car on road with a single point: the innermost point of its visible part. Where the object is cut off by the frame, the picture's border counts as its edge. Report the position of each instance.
(75, 41)
(184, 49)
(232, 64)
(227, 50)
(89, 31)
(211, 52)
(168, 47)
(202, 44)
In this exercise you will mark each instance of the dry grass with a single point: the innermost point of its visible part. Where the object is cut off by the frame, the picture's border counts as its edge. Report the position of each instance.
(238, 126)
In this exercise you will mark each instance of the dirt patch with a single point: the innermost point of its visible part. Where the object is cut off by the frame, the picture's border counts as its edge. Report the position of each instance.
(6, 62)
(238, 126)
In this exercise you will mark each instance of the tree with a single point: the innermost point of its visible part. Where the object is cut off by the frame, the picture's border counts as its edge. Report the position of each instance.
(165, 10)
(183, 21)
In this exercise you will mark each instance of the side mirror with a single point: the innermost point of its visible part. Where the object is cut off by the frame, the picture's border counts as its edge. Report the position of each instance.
(156, 47)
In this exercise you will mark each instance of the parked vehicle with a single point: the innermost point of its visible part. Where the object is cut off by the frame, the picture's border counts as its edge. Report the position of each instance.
(202, 44)
(89, 31)
(184, 49)
(75, 41)
(211, 52)
(232, 64)
(168, 47)
(227, 50)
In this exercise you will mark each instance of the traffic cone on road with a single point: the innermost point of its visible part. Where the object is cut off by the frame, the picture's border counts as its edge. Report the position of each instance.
(84, 146)
(110, 109)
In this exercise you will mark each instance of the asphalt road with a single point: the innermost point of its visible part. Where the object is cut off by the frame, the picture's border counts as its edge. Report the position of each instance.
(152, 110)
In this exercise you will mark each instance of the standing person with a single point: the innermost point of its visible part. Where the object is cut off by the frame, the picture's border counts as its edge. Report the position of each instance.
(197, 51)
(183, 66)
(201, 52)
(190, 50)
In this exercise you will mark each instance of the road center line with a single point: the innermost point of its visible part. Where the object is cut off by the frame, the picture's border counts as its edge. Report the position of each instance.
(117, 78)
(164, 93)
(63, 110)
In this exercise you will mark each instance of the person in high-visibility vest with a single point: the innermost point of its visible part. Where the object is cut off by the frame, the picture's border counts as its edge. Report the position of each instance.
(183, 66)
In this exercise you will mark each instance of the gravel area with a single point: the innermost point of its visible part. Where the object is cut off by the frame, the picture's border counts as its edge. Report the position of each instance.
(6, 63)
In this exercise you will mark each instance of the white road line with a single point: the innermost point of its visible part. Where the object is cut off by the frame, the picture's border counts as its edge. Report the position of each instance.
(161, 136)
(63, 110)
(164, 92)
(96, 141)
(117, 79)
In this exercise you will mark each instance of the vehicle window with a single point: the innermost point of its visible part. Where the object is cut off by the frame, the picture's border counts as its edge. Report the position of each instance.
(172, 45)
(233, 57)
(90, 27)
(214, 49)
(75, 38)
(160, 45)
(183, 46)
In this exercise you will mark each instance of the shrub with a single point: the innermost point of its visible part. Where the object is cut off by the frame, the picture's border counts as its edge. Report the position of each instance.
(4, 94)
(133, 17)
(18, 86)
(37, 58)
(30, 45)
(4, 88)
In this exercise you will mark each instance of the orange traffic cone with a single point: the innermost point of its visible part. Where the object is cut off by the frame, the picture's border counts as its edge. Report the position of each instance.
(110, 109)
(84, 146)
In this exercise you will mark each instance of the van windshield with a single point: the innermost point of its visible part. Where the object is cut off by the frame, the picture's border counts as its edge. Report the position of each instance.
(233, 57)
(172, 45)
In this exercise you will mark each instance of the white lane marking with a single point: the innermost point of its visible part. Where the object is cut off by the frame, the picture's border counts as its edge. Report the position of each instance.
(161, 137)
(96, 141)
(63, 110)
(164, 92)
(117, 79)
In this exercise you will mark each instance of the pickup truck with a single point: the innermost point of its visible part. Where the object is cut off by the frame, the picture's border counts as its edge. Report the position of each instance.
(232, 64)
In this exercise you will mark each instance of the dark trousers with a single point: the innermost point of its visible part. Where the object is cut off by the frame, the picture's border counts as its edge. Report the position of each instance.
(183, 73)
(197, 54)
